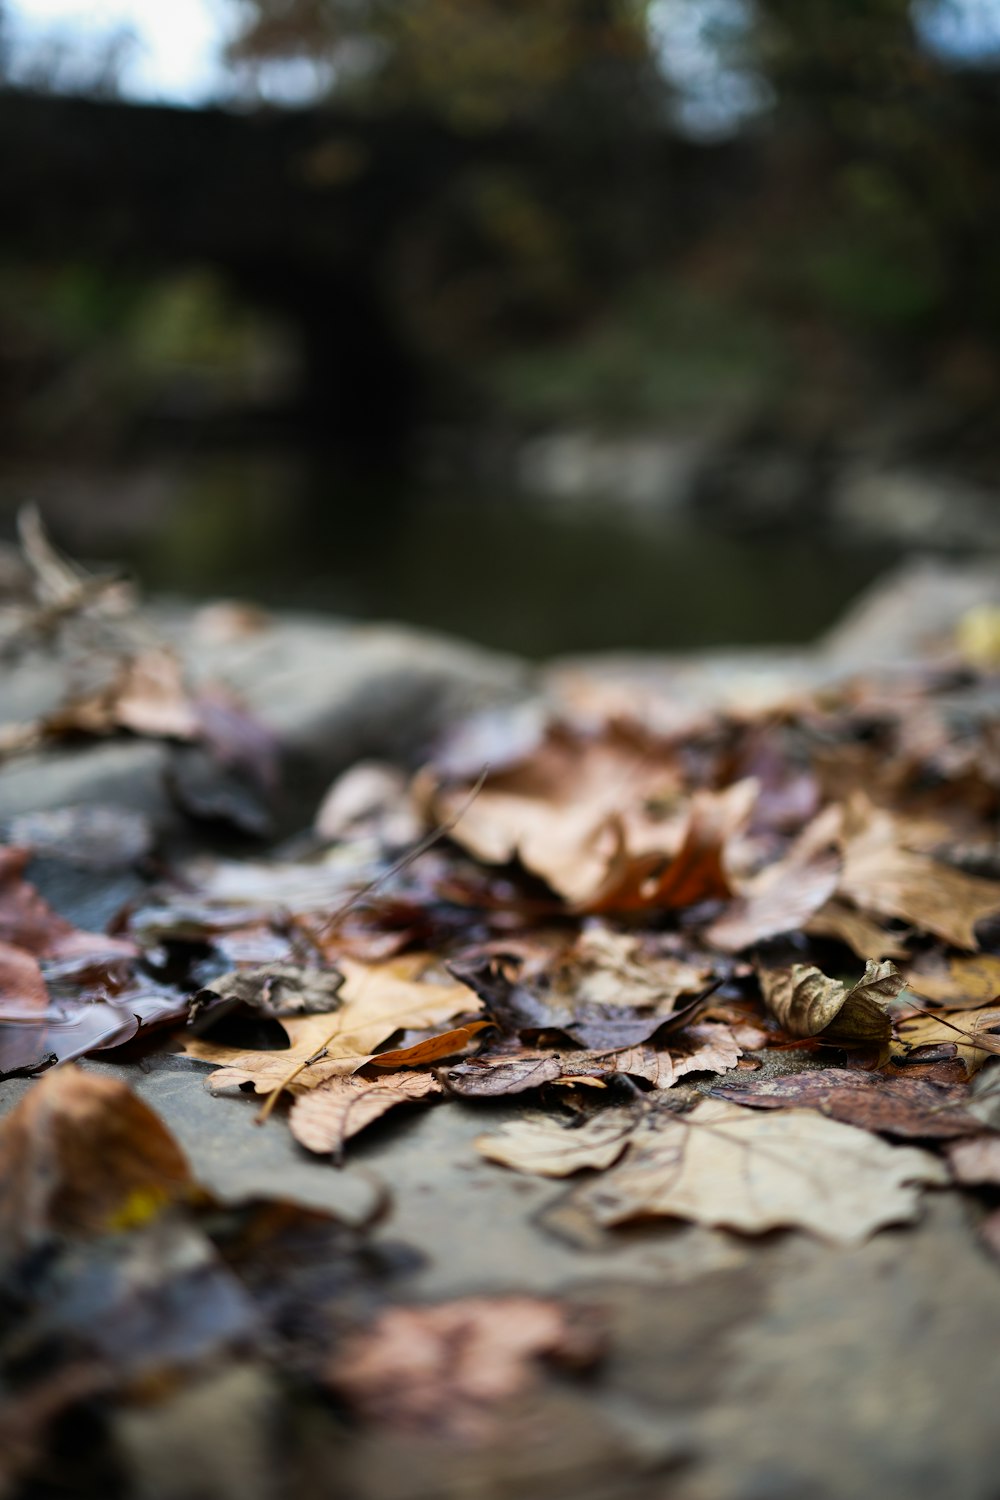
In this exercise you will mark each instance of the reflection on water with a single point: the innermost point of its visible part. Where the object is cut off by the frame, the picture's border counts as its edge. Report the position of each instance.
(528, 576)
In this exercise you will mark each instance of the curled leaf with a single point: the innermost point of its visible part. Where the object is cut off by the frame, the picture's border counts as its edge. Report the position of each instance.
(807, 1003)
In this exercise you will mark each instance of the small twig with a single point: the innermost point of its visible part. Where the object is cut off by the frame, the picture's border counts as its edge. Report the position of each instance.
(427, 842)
(934, 1015)
(267, 1108)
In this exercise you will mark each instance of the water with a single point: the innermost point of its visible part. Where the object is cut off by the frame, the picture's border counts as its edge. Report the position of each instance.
(527, 576)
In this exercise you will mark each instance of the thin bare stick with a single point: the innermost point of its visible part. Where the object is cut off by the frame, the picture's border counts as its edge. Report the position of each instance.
(427, 842)
(971, 1036)
(267, 1108)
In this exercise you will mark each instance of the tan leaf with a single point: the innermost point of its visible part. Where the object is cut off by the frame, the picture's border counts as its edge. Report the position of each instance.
(81, 1154)
(856, 931)
(615, 968)
(976, 1163)
(551, 808)
(538, 1145)
(740, 1169)
(782, 897)
(731, 1167)
(702, 1048)
(147, 696)
(341, 1107)
(885, 878)
(376, 1001)
(443, 1367)
(697, 872)
(960, 983)
(964, 1035)
(808, 1003)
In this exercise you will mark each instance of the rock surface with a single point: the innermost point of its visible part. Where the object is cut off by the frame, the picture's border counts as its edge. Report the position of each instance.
(331, 693)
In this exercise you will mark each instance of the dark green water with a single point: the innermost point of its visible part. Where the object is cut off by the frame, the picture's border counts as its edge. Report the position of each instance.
(528, 576)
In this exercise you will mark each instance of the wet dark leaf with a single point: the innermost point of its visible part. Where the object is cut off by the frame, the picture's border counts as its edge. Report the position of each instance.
(908, 1108)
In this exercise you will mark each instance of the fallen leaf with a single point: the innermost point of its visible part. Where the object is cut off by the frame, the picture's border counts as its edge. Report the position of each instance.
(807, 1003)
(976, 1163)
(856, 931)
(697, 872)
(370, 797)
(739, 1169)
(63, 991)
(596, 996)
(444, 1367)
(433, 1049)
(28, 922)
(883, 877)
(24, 1001)
(963, 1034)
(702, 1048)
(539, 1146)
(377, 1000)
(324, 1119)
(81, 1154)
(147, 696)
(69, 1028)
(958, 984)
(551, 809)
(730, 1167)
(784, 895)
(494, 1077)
(274, 990)
(910, 1108)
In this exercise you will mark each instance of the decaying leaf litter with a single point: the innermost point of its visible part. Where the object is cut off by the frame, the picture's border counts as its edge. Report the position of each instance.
(743, 972)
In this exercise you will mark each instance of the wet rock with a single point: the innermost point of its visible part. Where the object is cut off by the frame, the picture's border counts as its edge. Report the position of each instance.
(330, 693)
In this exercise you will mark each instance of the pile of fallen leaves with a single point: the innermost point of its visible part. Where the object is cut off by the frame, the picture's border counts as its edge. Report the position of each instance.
(745, 972)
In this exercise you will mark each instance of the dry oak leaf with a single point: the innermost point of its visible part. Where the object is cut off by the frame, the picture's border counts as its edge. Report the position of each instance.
(806, 1002)
(960, 983)
(730, 1167)
(326, 1118)
(882, 877)
(442, 1368)
(783, 896)
(80, 1154)
(377, 1000)
(908, 1108)
(551, 809)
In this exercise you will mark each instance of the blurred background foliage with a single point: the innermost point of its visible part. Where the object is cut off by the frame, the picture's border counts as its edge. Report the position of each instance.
(717, 262)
